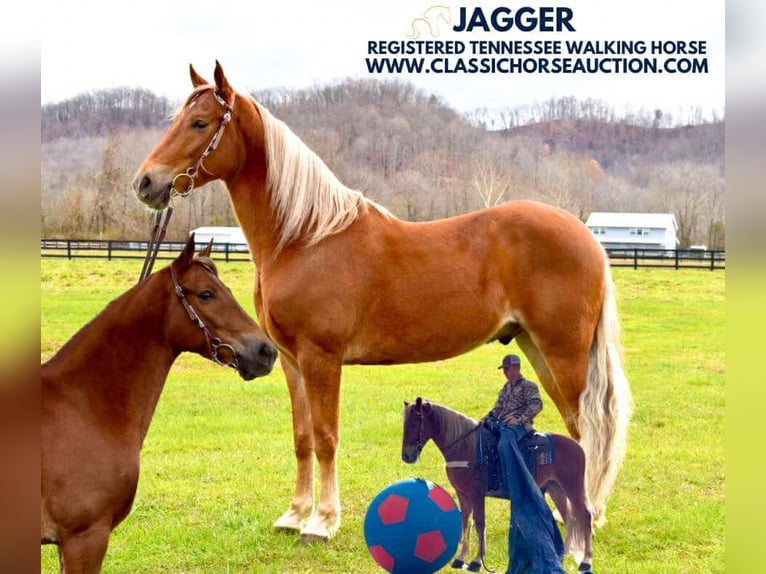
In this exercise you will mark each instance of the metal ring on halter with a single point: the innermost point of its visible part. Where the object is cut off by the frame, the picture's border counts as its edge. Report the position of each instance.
(186, 192)
(216, 344)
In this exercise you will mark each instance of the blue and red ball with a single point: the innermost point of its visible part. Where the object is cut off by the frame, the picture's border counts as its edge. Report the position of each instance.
(412, 526)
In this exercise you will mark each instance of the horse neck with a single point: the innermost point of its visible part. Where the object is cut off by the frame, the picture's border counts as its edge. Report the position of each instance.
(247, 188)
(306, 203)
(454, 437)
(116, 365)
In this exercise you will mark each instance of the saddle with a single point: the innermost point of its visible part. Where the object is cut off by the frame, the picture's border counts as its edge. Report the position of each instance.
(536, 449)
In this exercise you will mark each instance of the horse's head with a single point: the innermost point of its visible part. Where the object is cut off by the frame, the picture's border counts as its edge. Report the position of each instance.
(204, 317)
(204, 142)
(418, 429)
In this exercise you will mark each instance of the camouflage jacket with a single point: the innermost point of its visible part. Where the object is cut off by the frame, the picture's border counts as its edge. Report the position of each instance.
(520, 398)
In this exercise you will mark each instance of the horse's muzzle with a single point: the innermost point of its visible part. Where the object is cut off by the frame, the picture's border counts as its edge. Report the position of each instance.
(255, 359)
(153, 190)
(410, 455)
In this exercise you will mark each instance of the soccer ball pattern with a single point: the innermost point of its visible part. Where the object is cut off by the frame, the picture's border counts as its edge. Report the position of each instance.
(412, 526)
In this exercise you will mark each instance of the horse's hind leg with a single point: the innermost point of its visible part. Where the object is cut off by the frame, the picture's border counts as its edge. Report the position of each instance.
(581, 520)
(570, 484)
(83, 553)
(553, 490)
(563, 379)
(303, 498)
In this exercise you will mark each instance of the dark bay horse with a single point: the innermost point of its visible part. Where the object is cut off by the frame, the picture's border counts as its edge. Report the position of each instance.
(99, 392)
(456, 436)
(339, 280)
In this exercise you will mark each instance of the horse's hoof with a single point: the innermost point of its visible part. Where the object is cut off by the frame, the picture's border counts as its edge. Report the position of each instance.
(309, 538)
(290, 521)
(585, 568)
(474, 566)
(457, 564)
(316, 530)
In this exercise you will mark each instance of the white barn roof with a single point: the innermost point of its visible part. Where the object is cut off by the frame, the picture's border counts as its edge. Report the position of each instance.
(651, 220)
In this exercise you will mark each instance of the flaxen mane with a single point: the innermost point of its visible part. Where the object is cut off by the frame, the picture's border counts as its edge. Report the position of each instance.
(452, 424)
(307, 199)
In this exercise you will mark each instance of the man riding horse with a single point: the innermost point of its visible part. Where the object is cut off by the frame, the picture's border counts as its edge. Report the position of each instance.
(534, 540)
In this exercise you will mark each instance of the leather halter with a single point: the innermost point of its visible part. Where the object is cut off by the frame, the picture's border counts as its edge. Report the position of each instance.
(191, 173)
(213, 342)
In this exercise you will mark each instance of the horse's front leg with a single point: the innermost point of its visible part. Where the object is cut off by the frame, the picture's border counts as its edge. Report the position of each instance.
(83, 553)
(303, 441)
(465, 536)
(479, 523)
(321, 376)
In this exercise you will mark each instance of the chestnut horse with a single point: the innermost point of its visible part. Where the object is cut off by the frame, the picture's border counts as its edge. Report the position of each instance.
(99, 392)
(339, 280)
(456, 437)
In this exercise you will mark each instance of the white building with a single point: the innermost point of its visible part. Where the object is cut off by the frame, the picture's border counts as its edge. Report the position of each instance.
(220, 236)
(634, 230)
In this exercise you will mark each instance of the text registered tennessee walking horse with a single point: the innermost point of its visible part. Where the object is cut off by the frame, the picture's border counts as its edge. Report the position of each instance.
(339, 280)
(457, 436)
(99, 392)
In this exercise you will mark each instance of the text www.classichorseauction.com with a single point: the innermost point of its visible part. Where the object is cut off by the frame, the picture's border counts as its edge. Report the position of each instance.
(420, 55)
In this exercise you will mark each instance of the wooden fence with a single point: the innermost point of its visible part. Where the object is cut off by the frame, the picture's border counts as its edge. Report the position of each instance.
(126, 249)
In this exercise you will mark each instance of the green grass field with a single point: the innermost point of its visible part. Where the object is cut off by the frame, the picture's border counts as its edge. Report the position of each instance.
(218, 469)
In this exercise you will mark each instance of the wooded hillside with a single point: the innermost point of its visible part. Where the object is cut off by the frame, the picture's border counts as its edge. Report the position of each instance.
(404, 148)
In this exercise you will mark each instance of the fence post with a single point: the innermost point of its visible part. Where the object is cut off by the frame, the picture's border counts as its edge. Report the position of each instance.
(109, 250)
(712, 260)
(635, 258)
(68, 248)
(676, 251)
(226, 249)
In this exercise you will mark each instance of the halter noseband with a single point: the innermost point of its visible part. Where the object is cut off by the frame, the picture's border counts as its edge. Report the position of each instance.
(213, 342)
(191, 173)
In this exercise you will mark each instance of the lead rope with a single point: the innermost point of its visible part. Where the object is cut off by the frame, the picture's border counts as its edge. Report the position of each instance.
(153, 247)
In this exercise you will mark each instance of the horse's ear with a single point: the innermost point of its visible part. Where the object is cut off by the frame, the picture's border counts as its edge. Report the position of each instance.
(188, 253)
(196, 79)
(207, 249)
(222, 84)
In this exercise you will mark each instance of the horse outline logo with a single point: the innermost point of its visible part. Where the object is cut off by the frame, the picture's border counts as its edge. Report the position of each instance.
(430, 21)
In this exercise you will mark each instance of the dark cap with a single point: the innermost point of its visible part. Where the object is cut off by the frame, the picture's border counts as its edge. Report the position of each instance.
(509, 360)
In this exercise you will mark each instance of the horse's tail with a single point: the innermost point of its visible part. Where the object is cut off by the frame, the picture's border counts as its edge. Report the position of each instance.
(605, 405)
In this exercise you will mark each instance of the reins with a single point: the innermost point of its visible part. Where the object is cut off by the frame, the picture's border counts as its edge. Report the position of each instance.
(213, 342)
(153, 246)
(420, 444)
(160, 225)
(466, 435)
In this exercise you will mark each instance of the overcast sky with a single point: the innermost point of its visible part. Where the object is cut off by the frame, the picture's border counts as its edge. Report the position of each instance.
(90, 45)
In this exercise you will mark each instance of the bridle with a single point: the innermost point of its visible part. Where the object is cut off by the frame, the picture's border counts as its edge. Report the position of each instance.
(191, 173)
(419, 411)
(417, 407)
(160, 224)
(213, 342)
